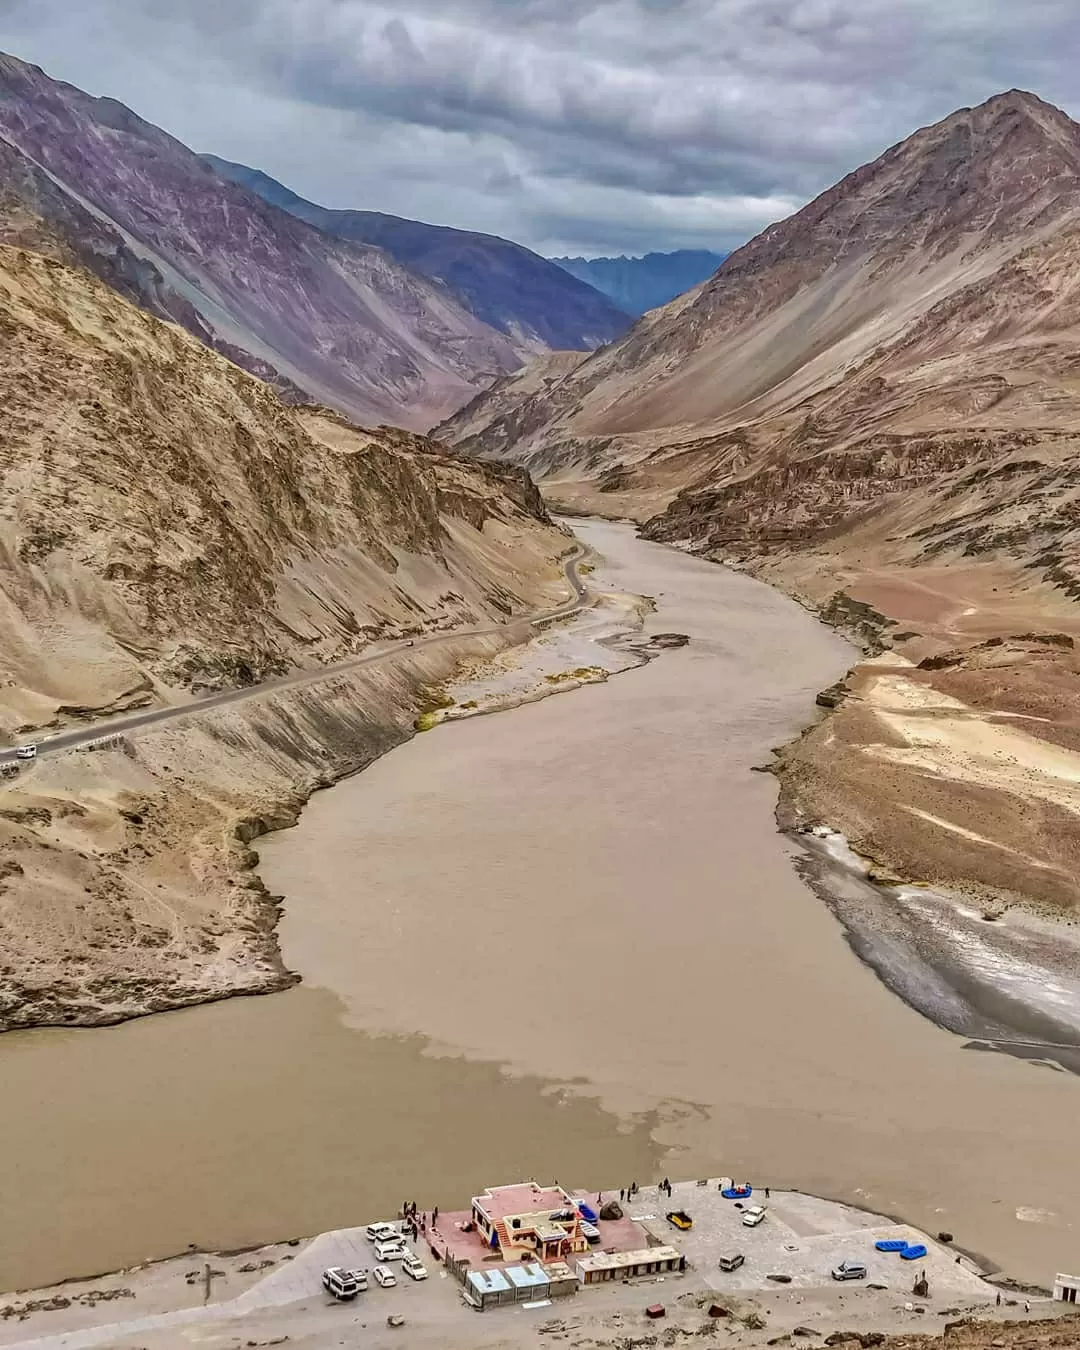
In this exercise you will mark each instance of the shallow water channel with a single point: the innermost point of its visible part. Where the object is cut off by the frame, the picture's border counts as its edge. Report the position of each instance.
(563, 940)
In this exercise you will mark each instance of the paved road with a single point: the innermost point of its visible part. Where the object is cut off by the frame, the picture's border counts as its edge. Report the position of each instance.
(113, 726)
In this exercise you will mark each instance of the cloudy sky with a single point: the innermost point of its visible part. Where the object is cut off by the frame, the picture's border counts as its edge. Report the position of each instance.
(582, 126)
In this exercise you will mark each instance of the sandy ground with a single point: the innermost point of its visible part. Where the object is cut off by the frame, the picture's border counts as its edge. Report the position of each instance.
(272, 1296)
(954, 759)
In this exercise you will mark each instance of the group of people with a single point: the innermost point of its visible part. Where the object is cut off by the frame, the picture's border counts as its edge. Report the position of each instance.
(416, 1221)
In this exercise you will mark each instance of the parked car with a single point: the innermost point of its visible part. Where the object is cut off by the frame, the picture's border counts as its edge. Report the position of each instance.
(849, 1270)
(360, 1275)
(732, 1261)
(393, 1249)
(413, 1266)
(384, 1277)
(340, 1283)
(754, 1215)
(381, 1232)
(589, 1231)
(26, 752)
(679, 1217)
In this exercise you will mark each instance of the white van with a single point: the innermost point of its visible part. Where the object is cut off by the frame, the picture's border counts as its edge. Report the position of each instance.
(393, 1249)
(340, 1283)
(26, 752)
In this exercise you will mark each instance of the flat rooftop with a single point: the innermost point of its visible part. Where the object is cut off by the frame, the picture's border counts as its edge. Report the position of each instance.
(501, 1202)
(620, 1260)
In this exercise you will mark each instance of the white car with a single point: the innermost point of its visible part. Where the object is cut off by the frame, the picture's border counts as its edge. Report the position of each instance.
(384, 1276)
(26, 752)
(393, 1250)
(413, 1266)
(381, 1232)
(753, 1216)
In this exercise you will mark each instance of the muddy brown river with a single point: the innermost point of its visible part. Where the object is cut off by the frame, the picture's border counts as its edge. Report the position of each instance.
(561, 941)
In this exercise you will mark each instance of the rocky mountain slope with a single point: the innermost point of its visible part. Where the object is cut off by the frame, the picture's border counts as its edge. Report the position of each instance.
(640, 284)
(875, 404)
(507, 286)
(167, 527)
(925, 269)
(168, 524)
(341, 321)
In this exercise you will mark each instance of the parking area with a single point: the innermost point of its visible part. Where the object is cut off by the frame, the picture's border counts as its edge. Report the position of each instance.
(301, 1279)
(803, 1238)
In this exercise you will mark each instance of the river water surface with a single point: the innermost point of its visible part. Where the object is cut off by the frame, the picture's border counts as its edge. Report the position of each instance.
(563, 940)
(592, 889)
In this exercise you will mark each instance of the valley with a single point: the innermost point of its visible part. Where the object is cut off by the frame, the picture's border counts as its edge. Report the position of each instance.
(696, 919)
(766, 866)
(872, 406)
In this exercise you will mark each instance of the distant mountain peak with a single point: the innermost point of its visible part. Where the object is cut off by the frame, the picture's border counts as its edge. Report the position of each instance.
(638, 284)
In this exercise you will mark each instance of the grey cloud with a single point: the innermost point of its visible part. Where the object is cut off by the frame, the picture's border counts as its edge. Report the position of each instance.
(587, 125)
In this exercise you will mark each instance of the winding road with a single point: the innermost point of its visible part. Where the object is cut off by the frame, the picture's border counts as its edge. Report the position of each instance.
(115, 726)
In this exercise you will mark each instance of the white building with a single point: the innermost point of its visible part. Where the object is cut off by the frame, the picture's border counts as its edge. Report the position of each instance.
(1067, 1288)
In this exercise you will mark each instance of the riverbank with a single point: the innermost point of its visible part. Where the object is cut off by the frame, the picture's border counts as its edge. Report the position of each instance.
(966, 702)
(938, 801)
(273, 1293)
(135, 851)
(946, 769)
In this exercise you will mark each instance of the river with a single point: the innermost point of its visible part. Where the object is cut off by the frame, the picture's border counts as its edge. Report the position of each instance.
(563, 940)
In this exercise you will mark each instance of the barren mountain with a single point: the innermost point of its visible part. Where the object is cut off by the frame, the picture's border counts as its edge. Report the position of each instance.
(874, 403)
(167, 527)
(511, 288)
(167, 523)
(342, 321)
(873, 276)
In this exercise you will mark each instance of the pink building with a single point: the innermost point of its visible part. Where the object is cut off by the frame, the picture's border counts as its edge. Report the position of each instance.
(529, 1220)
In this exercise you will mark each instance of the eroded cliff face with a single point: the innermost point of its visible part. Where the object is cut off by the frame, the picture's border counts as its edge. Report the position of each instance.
(127, 873)
(168, 527)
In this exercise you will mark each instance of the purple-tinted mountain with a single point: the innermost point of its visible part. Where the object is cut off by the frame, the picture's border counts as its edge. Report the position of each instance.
(640, 284)
(36, 213)
(342, 321)
(507, 286)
